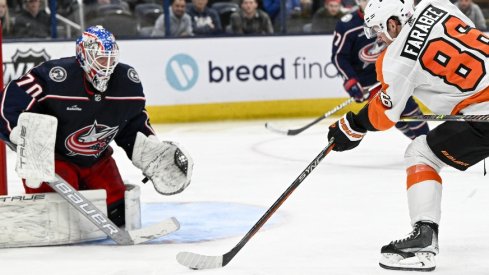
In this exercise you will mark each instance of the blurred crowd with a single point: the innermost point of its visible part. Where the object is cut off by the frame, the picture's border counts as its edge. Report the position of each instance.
(145, 18)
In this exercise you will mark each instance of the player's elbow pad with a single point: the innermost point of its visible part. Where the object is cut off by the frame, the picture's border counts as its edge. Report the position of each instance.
(165, 163)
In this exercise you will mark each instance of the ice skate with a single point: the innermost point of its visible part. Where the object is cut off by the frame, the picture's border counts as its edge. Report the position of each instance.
(416, 252)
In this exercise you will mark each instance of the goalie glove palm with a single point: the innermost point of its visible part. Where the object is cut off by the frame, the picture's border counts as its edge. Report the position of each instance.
(166, 164)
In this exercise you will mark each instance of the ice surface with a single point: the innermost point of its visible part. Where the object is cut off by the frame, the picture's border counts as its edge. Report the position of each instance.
(335, 222)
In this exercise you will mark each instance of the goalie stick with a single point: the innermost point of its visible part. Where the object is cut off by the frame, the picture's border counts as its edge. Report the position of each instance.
(198, 261)
(99, 219)
(293, 132)
(470, 118)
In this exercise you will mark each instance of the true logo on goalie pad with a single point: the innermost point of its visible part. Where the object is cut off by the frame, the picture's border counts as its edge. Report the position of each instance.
(33, 197)
(21, 146)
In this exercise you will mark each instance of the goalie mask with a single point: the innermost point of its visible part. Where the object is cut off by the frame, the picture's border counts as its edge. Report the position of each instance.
(98, 55)
(378, 12)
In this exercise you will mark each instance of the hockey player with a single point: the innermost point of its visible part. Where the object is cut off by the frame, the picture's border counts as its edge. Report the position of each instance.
(94, 100)
(354, 56)
(436, 54)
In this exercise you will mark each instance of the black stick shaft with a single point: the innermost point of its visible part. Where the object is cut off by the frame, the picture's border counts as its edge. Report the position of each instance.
(230, 255)
(471, 118)
(293, 132)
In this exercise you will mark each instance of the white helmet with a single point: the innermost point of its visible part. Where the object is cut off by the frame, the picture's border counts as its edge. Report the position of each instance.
(98, 55)
(378, 12)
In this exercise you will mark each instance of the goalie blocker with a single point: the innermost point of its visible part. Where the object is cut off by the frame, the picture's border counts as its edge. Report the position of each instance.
(44, 219)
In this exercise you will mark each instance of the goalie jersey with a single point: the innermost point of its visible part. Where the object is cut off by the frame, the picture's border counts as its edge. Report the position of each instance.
(87, 119)
(440, 58)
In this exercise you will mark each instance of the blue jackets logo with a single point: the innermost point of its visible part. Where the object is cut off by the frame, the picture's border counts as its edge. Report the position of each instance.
(91, 140)
(182, 72)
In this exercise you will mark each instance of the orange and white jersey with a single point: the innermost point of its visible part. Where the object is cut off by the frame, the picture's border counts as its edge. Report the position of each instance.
(439, 58)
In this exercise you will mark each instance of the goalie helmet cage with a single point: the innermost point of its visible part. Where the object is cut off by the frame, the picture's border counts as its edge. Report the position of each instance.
(3, 155)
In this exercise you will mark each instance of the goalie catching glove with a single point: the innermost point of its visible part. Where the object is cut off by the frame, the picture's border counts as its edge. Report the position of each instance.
(346, 133)
(35, 137)
(166, 164)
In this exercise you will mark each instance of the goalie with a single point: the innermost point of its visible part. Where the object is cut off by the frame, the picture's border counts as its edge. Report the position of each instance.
(63, 114)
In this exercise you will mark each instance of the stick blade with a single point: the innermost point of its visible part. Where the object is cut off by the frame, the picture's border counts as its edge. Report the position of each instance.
(275, 130)
(154, 231)
(198, 261)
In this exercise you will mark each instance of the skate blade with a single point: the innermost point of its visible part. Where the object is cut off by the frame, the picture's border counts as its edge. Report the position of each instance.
(422, 261)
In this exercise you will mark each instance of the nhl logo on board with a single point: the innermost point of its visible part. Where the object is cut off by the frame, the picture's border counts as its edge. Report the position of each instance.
(57, 74)
(133, 75)
(23, 61)
(97, 97)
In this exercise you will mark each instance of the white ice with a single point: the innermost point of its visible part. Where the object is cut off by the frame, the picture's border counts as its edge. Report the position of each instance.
(336, 221)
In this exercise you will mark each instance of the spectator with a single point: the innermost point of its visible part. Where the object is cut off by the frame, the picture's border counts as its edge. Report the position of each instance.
(67, 8)
(205, 20)
(15, 6)
(346, 5)
(180, 22)
(324, 20)
(7, 25)
(32, 21)
(92, 7)
(250, 20)
(295, 8)
(473, 12)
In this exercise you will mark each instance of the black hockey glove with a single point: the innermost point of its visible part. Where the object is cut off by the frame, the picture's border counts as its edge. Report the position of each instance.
(347, 135)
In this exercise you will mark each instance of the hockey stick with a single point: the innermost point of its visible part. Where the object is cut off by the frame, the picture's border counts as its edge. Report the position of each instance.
(198, 261)
(293, 132)
(471, 118)
(99, 219)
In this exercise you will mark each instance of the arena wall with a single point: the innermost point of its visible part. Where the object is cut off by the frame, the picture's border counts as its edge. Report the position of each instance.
(217, 78)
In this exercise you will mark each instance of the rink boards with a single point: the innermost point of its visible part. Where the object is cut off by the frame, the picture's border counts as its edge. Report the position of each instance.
(215, 78)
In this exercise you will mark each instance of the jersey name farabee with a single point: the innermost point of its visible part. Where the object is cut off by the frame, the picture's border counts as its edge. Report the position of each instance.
(420, 31)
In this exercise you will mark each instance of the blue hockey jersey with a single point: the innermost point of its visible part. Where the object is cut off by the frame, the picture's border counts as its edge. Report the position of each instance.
(353, 54)
(87, 119)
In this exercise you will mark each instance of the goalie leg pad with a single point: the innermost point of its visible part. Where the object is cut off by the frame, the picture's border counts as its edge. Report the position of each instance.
(46, 219)
(165, 163)
(132, 207)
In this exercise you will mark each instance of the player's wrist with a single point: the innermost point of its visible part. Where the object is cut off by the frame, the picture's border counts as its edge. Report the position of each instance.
(354, 123)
